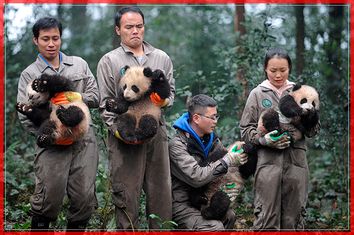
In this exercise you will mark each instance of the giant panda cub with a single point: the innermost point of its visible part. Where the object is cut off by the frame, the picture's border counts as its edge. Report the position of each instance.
(137, 116)
(61, 115)
(210, 199)
(297, 113)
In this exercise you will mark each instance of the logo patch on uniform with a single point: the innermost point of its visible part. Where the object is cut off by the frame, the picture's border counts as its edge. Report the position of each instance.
(122, 71)
(266, 103)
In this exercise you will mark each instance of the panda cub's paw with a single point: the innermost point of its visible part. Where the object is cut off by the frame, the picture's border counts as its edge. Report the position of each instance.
(158, 76)
(24, 108)
(114, 106)
(44, 140)
(111, 105)
(40, 85)
(70, 116)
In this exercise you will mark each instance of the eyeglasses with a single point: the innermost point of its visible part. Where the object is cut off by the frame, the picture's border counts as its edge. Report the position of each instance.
(214, 118)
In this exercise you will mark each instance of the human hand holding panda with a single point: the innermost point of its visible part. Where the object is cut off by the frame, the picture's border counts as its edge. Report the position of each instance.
(56, 109)
(138, 112)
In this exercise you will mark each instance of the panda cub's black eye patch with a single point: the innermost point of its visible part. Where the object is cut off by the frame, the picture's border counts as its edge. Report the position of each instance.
(135, 89)
(304, 100)
(124, 87)
(313, 104)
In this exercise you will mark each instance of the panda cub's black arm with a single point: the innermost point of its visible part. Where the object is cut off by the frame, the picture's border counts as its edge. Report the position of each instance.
(160, 84)
(117, 105)
(37, 115)
(310, 119)
(288, 107)
(249, 168)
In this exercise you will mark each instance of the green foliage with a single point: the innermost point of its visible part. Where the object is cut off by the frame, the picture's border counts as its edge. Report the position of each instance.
(163, 225)
(208, 56)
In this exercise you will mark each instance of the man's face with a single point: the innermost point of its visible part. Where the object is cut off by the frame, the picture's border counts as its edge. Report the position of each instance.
(48, 43)
(131, 30)
(207, 120)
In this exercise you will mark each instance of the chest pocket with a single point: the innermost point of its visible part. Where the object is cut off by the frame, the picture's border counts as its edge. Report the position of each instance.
(79, 81)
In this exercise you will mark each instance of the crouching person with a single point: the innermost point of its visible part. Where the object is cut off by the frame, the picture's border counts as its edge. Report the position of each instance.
(197, 159)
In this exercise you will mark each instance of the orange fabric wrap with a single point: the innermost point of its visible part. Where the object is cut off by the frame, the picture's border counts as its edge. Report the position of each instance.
(156, 99)
(64, 142)
(65, 97)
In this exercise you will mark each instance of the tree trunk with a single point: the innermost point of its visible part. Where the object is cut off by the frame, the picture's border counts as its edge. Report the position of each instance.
(332, 47)
(300, 36)
(240, 30)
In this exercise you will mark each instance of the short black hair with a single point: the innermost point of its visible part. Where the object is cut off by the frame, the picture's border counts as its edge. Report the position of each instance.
(46, 23)
(124, 10)
(277, 52)
(199, 102)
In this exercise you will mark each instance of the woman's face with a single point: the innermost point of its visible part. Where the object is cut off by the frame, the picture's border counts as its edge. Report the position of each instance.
(277, 71)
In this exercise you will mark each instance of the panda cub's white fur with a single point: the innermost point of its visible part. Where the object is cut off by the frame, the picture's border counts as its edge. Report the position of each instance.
(307, 98)
(41, 110)
(65, 132)
(141, 93)
(134, 79)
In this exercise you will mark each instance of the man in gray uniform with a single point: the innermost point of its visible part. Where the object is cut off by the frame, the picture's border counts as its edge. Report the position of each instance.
(194, 144)
(61, 169)
(143, 166)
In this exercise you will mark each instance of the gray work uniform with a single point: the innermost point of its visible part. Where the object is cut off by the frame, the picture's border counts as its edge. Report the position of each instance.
(187, 175)
(136, 167)
(64, 169)
(281, 177)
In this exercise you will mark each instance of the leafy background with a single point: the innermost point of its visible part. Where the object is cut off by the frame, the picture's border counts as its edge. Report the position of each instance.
(216, 50)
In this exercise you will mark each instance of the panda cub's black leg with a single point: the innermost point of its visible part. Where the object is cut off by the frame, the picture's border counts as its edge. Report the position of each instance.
(70, 116)
(126, 127)
(52, 84)
(218, 207)
(46, 134)
(147, 127)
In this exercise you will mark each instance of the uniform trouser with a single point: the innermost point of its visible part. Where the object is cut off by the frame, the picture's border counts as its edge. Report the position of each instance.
(137, 167)
(281, 189)
(66, 169)
(190, 218)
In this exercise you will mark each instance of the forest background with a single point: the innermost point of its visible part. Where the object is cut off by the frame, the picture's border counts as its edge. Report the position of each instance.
(216, 50)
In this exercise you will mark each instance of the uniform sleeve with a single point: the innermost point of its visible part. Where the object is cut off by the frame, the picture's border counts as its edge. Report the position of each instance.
(249, 119)
(22, 97)
(106, 87)
(91, 95)
(186, 168)
(171, 80)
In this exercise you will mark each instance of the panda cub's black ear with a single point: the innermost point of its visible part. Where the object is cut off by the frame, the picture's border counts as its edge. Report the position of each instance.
(297, 86)
(147, 72)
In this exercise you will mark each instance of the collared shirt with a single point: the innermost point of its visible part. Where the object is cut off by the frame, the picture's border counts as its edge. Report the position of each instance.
(109, 72)
(72, 67)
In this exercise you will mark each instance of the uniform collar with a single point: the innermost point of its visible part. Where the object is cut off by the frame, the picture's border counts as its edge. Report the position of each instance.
(43, 64)
(266, 84)
(148, 48)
